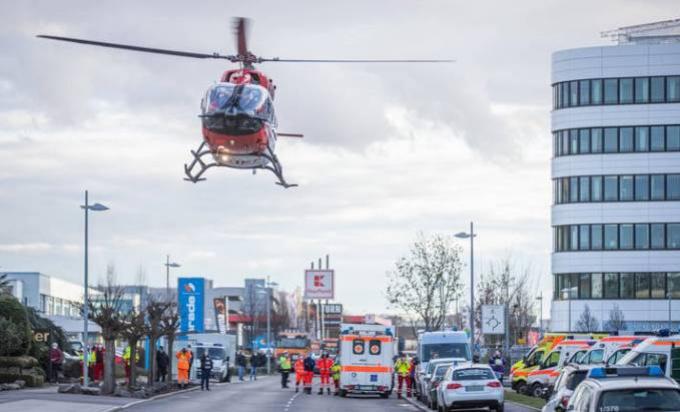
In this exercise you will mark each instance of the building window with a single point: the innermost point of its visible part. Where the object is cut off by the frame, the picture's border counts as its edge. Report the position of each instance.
(658, 94)
(573, 239)
(641, 139)
(596, 237)
(625, 91)
(611, 140)
(596, 285)
(596, 91)
(658, 235)
(674, 284)
(626, 139)
(596, 140)
(611, 188)
(584, 92)
(673, 236)
(642, 285)
(658, 143)
(625, 236)
(625, 188)
(573, 93)
(573, 189)
(673, 187)
(584, 141)
(658, 282)
(642, 90)
(611, 285)
(627, 284)
(658, 191)
(641, 236)
(584, 237)
(584, 286)
(673, 138)
(642, 187)
(611, 91)
(596, 188)
(584, 189)
(611, 237)
(573, 141)
(673, 89)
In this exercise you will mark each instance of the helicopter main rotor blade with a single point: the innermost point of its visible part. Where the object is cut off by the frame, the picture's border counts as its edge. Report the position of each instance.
(276, 59)
(140, 49)
(240, 27)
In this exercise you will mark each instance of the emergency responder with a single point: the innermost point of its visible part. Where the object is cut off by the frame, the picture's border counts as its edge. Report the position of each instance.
(335, 374)
(126, 362)
(324, 364)
(402, 368)
(206, 370)
(183, 366)
(299, 371)
(284, 369)
(309, 366)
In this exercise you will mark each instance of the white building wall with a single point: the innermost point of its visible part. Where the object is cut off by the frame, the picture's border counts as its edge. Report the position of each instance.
(607, 62)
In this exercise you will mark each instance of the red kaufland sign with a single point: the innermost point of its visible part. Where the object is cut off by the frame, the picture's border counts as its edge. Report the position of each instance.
(319, 284)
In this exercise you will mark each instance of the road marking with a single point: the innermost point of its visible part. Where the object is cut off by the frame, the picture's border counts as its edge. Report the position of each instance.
(290, 401)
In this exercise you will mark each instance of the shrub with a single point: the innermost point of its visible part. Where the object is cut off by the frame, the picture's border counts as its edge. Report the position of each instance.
(10, 338)
(15, 313)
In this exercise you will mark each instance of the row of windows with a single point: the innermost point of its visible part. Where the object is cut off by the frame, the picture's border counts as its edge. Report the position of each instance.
(617, 236)
(626, 139)
(629, 90)
(655, 285)
(621, 188)
(55, 306)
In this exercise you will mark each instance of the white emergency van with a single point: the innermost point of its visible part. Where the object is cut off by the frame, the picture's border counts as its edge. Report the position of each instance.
(453, 345)
(660, 351)
(551, 367)
(366, 353)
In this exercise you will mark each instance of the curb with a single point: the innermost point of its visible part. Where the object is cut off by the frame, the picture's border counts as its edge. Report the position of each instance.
(416, 404)
(521, 405)
(153, 398)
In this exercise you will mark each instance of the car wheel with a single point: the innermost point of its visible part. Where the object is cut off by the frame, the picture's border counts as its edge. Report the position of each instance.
(521, 388)
(500, 408)
(385, 395)
(343, 393)
(536, 390)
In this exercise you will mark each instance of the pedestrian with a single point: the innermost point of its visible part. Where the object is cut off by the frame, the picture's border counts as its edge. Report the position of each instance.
(206, 370)
(241, 364)
(335, 374)
(402, 368)
(183, 365)
(126, 362)
(299, 371)
(284, 369)
(324, 364)
(98, 362)
(162, 362)
(309, 365)
(254, 363)
(56, 360)
(412, 375)
(497, 363)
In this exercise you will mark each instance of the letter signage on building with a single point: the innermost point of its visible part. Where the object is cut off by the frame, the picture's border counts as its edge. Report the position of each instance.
(190, 294)
(319, 284)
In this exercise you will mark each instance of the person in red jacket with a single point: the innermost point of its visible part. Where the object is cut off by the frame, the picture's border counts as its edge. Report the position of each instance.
(325, 363)
(299, 367)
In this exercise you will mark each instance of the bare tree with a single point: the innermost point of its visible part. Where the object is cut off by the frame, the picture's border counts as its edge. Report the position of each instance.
(106, 311)
(155, 310)
(616, 320)
(427, 281)
(280, 314)
(133, 331)
(169, 325)
(587, 322)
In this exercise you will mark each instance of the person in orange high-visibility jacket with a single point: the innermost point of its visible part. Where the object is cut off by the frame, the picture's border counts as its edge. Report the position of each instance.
(402, 368)
(299, 371)
(325, 363)
(183, 366)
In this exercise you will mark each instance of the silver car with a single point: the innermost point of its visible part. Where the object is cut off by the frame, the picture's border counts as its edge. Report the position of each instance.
(432, 383)
(470, 387)
(565, 385)
(426, 374)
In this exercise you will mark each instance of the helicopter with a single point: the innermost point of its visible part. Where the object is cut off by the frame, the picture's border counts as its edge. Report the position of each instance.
(239, 124)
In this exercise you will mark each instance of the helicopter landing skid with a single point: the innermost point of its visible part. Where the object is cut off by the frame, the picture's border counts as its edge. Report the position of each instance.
(273, 166)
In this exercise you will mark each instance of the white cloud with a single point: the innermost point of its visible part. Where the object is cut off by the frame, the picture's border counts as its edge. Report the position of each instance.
(25, 247)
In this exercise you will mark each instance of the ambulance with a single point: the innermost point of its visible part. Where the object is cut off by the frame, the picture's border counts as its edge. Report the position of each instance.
(600, 352)
(366, 353)
(663, 351)
(549, 370)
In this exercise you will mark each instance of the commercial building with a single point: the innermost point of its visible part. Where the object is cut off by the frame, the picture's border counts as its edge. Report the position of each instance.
(616, 179)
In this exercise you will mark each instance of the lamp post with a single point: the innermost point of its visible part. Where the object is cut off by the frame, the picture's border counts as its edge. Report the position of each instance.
(471, 235)
(670, 300)
(265, 291)
(568, 292)
(97, 207)
(168, 265)
(540, 319)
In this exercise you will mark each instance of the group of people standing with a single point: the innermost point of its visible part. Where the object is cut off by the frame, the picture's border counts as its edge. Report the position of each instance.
(405, 368)
(305, 368)
(256, 360)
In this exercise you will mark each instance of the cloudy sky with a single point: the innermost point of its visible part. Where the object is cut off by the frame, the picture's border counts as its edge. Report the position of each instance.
(389, 150)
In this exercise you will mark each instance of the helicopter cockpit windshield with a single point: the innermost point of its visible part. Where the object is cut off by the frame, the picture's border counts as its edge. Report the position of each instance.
(243, 99)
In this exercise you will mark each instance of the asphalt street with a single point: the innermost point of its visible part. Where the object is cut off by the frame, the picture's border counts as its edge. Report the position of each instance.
(266, 395)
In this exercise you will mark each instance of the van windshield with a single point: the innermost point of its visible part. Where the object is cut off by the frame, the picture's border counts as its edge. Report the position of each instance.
(445, 350)
(214, 353)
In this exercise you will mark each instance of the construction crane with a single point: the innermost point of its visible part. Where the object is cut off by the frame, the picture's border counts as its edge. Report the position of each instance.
(666, 31)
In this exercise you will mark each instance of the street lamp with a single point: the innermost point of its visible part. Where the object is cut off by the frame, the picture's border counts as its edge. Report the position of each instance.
(265, 291)
(168, 265)
(97, 207)
(540, 319)
(568, 292)
(471, 235)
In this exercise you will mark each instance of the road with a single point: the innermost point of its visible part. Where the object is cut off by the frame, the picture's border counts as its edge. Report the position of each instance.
(266, 395)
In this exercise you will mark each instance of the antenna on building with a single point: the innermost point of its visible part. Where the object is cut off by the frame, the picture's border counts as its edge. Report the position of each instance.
(666, 31)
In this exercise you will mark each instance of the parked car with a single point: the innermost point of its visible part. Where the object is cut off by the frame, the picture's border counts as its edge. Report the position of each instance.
(470, 387)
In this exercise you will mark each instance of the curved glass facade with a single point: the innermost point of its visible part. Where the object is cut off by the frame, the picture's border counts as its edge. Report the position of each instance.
(617, 236)
(616, 285)
(628, 139)
(616, 188)
(623, 90)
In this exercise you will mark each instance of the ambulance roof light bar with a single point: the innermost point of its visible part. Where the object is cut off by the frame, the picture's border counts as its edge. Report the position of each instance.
(653, 371)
